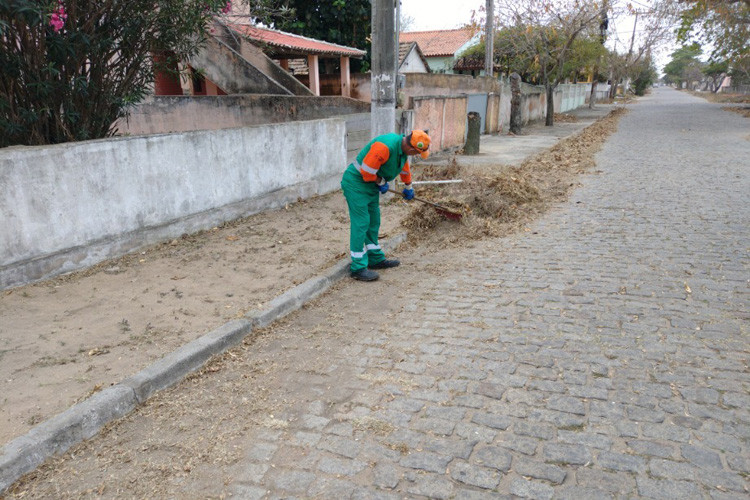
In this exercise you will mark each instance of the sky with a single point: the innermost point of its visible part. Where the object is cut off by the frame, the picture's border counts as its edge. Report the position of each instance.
(448, 14)
(439, 14)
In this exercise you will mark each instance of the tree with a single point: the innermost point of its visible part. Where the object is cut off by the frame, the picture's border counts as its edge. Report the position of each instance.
(681, 68)
(716, 71)
(548, 29)
(345, 22)
(71, 68)
(651, 28)
(644, 76)
(723, 25)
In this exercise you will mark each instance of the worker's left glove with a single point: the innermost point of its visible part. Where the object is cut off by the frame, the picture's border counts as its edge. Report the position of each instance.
(383, 188)
(408, 193)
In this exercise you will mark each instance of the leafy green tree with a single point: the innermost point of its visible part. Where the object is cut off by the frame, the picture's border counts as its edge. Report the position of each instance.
(644, 76)
(345, 22)
(716, 71)
(682, 64)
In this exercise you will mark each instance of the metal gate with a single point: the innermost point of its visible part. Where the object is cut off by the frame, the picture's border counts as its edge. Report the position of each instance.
(478, 104)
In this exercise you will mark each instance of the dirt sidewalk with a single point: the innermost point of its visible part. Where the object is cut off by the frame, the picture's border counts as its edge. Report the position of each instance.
(65, 338)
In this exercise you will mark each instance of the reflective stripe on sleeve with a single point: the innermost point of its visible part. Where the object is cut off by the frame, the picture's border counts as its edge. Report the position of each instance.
(366, 168)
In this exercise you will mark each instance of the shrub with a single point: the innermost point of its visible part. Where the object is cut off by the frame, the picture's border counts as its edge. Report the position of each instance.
(70, 68)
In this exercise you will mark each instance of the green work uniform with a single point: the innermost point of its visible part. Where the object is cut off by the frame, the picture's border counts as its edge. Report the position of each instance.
(363, 199)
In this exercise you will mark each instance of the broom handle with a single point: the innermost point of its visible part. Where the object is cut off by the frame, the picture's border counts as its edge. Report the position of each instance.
(427, 202)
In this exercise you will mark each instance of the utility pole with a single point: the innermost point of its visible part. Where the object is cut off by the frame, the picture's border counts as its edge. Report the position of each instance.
(383, 69)
(489, 42)
(603, 25)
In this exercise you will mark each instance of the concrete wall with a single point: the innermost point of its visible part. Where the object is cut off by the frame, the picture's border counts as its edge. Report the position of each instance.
(162, 114)
(444, 117)
(427, 84)
(69, 206)
(255, 56)
(231, 72)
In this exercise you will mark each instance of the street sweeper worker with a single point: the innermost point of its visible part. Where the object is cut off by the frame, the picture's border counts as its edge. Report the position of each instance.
(364, 180)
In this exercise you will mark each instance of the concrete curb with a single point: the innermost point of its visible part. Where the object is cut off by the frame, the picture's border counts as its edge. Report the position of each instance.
(85, 419)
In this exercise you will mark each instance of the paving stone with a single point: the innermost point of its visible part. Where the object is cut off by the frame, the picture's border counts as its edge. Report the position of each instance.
(472, 475)
(525, 445)
(326, 487)
(437, 426)
(652, 448)
(491, 420)
(531, 489)
(386, 475)
(340, 446)
(431, 486)
(466, 494)
(431, 462)
(541, 431)
(341, 466)
(666, 431)
(585, 438)
(366, 493)
(621, 462)
(566, 453)
(719, 442)
(567, 404)
(247, 492)
(478, 432)
(492, 456)
(452, 448)
(700, 456)
(537, 470)
(640, 414)
(612, 482)
(667, 489)
(261, 452)
(578, 493)
(252, 473)
(292, 481)
(589, 392)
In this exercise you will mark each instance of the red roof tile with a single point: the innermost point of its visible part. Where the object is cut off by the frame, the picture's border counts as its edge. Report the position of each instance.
(288, 42)
(441, 43)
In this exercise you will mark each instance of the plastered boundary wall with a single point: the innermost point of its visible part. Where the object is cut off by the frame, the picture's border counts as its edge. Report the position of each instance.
(445, 115)
(69, 206)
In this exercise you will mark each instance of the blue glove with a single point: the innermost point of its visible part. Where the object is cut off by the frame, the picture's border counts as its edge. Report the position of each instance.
(383, 188)
(408, 193)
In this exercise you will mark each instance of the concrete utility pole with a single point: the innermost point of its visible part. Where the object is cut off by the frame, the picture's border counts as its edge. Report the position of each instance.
(489, 66)
(383, 69)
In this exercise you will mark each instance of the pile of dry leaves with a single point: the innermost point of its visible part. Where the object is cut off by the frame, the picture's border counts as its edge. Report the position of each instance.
(496, 200)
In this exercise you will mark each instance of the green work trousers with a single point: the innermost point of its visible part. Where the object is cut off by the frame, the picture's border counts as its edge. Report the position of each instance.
(363, 200)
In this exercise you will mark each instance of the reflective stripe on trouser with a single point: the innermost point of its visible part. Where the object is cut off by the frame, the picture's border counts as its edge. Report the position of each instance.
(363, 200)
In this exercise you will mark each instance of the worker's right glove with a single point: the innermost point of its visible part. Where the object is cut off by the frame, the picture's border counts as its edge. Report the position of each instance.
(408, 193)
(383, 188)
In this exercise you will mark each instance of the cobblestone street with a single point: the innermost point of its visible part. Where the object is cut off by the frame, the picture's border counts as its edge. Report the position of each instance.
(602, 353)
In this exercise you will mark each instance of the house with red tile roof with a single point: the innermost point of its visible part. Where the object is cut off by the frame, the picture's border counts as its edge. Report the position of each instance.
(411, 59)
(441, 47)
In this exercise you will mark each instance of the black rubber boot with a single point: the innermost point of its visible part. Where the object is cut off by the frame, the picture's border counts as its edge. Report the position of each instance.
(365, 275)
(385, 264)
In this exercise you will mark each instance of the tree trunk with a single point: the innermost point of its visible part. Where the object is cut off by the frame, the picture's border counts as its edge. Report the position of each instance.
(515, 104)
(472, 137)
(594, 84)
(550, 90)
